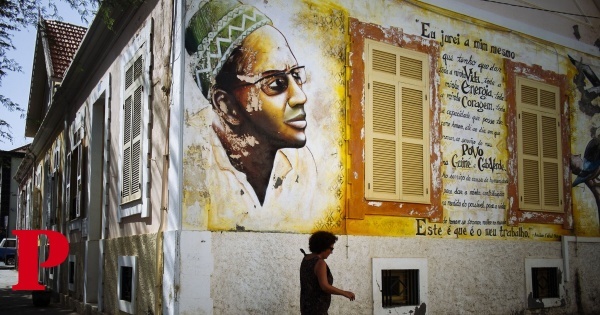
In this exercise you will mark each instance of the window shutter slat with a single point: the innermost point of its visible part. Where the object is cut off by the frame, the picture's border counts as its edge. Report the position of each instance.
(79, 202)
(412, 169)
(126, 184)
(384, 166)
(548, 99)
(530, 134)
(411, 68)
(384, 61)
(412, 113)
(128, 77)
(551, 185)
(529, 95)
(384, 108)
(531, 180)
(136, 152)
(137, 68)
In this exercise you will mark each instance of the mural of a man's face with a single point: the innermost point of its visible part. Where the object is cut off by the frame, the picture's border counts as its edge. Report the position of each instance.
(269, 88)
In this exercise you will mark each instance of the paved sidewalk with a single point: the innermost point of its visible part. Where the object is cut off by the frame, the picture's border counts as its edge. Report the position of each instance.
(19, 302)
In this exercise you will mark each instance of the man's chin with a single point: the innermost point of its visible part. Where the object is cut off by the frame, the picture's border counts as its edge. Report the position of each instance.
(297, 142)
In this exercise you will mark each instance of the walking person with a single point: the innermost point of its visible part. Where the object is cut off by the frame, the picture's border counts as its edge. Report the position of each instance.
(316, 280)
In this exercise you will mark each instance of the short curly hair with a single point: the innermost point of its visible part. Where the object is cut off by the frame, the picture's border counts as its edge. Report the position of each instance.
(321, 241)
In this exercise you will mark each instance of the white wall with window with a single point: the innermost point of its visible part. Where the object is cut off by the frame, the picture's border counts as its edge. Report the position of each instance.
(135, 117)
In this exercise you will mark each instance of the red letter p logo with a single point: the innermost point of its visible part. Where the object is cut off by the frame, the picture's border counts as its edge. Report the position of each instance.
(28, 256)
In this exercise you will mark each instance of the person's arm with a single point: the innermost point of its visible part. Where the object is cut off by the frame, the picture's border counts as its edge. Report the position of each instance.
(321, 272)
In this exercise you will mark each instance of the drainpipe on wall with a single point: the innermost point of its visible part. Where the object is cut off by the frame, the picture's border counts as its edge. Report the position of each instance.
(165, 181)
(565, 250)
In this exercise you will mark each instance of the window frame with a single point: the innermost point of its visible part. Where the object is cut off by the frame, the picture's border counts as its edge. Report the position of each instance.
(140, 46)
(516, 214)
(72, 262)
(539, 113)
(380, 264)
(124, 305)
(399, 83)
(531, 263)
(357, 205)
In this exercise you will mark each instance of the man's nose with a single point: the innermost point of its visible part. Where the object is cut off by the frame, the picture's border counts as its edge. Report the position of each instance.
(296, 95)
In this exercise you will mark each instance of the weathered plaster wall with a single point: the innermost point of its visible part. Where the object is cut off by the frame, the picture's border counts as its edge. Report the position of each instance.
(144, 247)
(258, 273)
(474, 166)
(159, 14)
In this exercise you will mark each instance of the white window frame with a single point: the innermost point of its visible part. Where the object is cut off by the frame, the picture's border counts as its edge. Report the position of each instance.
(531, 263)
(127, 261)
(139, 46)
(380, 264)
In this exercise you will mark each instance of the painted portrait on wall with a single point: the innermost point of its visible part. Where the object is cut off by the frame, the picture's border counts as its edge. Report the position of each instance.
(259, 166)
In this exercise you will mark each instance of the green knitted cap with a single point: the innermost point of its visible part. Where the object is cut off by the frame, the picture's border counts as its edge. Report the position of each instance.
(214, 31)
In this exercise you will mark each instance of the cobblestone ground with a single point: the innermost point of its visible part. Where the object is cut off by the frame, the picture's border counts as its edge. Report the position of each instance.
(19, 302)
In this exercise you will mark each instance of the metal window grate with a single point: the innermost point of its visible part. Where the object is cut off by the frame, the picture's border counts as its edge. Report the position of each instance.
(545, 282)
(400, 287)
(126, 283)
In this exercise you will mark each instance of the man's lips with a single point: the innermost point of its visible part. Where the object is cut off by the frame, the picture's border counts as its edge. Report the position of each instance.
(298, 121)
(300, 124)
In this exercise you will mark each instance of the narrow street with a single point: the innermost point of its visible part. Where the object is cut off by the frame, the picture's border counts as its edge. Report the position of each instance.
(19, 302)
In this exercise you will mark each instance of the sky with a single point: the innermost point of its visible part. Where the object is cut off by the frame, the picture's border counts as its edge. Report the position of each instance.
(15, 85)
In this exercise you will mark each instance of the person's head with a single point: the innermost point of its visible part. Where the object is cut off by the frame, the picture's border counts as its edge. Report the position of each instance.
(322, 242)
(257, 82)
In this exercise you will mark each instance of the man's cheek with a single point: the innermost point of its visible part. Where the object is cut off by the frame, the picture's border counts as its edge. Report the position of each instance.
(253, 101)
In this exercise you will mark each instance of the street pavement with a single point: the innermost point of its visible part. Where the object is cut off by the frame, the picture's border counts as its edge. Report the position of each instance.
(19, 302)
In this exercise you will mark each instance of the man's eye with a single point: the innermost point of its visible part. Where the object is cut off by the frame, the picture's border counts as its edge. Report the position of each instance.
(297, 77)
(277, 84)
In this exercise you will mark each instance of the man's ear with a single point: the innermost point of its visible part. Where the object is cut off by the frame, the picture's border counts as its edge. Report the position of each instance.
(225, 105)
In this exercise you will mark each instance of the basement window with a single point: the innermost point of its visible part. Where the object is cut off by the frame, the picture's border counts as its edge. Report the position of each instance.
(544, 283)
(71, 275)
(126, 288)
(399, 285)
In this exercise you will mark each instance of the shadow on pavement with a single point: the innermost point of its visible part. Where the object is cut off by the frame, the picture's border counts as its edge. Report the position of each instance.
(19, 303)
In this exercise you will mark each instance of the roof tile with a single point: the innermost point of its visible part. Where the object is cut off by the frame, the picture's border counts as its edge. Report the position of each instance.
(64, 40)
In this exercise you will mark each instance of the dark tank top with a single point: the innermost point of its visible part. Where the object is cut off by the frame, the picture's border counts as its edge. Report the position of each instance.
(313, 300)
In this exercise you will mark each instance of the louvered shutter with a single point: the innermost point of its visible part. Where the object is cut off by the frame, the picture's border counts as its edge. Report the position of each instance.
(540, 173)
(132, 131)
(396, 120)
(414, 136)
(79, 183)
(530, 160)
(68, 187)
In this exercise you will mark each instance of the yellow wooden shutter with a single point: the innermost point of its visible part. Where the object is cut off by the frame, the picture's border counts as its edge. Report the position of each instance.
(529, 160)
(540, 161)
(397, 118)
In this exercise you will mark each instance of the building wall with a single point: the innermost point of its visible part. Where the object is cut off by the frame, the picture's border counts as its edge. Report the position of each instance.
(260, 273)
(472, 232)
(473, 68)
(144, 247)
